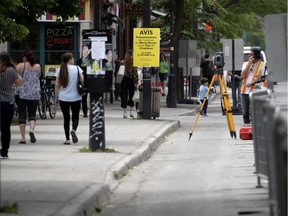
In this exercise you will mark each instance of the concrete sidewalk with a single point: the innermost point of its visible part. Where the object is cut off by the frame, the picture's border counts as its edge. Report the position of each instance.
(49, 178)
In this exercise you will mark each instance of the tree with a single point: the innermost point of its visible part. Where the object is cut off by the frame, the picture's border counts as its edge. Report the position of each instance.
(17, 15)
(228, 19)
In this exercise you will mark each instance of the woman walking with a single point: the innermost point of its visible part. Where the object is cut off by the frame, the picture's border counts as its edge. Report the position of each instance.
(29, 94)
(8, 77)
(163, 72)
(128, 84)
(69, 98)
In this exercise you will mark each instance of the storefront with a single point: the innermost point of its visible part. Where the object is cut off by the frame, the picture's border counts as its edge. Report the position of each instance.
(48, 41)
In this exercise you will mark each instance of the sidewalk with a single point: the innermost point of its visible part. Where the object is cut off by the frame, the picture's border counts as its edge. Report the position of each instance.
(49, 178)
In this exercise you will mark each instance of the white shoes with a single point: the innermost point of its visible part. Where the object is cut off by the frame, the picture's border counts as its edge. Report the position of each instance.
(130, 113)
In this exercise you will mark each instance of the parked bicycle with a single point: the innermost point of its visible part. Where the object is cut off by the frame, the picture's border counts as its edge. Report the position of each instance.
(47, 100)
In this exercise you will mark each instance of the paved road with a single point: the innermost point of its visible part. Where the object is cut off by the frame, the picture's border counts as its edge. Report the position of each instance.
(212, 174)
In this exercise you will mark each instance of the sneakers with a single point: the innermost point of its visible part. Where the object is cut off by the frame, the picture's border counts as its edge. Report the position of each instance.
(74, 136)
(4, 157)
(124, 115)
(32, 137)
(131, 115)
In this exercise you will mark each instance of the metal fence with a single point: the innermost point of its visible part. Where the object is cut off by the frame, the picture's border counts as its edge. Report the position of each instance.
(269, 127)
(258, 99)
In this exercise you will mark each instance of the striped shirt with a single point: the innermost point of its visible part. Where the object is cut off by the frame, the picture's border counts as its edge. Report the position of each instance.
(7, 80)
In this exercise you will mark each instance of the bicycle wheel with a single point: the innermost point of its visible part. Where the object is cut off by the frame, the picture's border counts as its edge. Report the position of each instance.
(52, 108)
(42, 107)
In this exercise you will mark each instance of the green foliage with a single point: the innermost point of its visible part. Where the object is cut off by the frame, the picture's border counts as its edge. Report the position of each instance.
(87, 149)
(10, 208)
(228, 18)
(17, 15)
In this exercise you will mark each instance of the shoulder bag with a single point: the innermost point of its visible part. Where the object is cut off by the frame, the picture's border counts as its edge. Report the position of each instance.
(80, 87)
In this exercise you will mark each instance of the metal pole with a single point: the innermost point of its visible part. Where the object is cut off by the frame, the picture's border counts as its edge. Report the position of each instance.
(147, 108)
(97, 111)
(233, 74)
(96, 14)
(171, 97)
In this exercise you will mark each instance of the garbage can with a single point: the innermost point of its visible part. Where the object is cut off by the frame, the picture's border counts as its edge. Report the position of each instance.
(155, 101)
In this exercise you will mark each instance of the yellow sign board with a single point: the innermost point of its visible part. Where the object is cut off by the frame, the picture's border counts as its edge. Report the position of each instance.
(146, 46)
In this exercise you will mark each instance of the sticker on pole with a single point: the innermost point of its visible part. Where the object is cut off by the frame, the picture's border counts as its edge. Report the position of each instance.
(146, 46)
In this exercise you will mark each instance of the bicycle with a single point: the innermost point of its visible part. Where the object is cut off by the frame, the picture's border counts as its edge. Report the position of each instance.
(47, 99)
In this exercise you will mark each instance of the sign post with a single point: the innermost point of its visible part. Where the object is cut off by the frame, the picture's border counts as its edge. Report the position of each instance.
(146, 54)
(97, 80)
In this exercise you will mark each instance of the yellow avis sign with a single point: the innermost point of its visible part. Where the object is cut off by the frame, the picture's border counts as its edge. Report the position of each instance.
(146, 46)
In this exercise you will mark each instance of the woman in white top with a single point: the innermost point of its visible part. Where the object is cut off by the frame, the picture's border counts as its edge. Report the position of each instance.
(66, 94)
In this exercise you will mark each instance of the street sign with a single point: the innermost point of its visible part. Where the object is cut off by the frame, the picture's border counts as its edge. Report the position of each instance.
(134, 9)
(146, 47)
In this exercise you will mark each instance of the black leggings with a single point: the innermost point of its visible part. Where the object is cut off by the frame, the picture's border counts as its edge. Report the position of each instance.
(84, 104)
(127, 92)
(75, 108)
(24, 106)
(6, 115)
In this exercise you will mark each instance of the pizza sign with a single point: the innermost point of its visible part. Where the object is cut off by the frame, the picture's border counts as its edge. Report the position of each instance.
(59, 38)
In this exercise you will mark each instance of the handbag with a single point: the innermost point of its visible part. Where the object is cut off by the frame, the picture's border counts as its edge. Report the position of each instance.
(80, 87)
(120, 74)
(136, 95)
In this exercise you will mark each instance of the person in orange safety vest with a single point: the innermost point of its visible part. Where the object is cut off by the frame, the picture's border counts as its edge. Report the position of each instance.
(251, 73)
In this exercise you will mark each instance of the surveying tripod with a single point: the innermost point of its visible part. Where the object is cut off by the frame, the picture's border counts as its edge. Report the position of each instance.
(224, 97)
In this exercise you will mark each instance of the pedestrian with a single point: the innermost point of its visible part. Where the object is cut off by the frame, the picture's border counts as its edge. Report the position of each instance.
(207, 68)
(117, 85)
(163, 72)
(83, 62)
(8, 78)
(29, 94)
(251, 73)
(108, 67)
(236, 81)
(128, 84)
(140, 80)
(69, 98)
(202, 95)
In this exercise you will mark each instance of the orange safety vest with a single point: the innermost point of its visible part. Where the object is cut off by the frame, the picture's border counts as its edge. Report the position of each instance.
(256, 72)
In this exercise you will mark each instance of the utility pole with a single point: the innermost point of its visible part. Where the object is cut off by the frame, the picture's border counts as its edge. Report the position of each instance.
(97, 112)
(171, 97)
(147, 108)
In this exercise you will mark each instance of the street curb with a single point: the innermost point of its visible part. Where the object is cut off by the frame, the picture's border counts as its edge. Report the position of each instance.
(148, 146)
(86, 202)
(93, 196)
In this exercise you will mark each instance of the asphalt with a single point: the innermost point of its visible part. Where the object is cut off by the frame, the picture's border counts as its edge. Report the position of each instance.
(48, 178)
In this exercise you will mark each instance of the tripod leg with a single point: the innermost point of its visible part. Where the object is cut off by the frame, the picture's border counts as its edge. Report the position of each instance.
(227, 107)
(202, 105)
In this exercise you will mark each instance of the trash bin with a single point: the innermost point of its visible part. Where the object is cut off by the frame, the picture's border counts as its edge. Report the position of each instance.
(155, 101)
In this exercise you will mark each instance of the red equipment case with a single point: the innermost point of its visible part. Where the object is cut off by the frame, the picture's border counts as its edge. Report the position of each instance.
(246, 132)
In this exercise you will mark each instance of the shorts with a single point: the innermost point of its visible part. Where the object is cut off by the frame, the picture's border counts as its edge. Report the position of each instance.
(163, 76)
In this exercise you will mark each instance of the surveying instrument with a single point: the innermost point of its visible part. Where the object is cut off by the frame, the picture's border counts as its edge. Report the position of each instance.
(219, 63)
